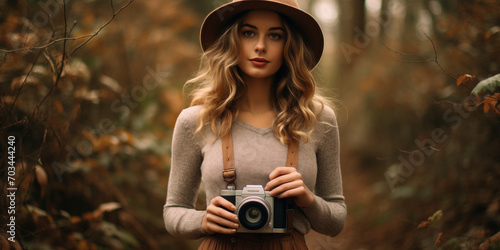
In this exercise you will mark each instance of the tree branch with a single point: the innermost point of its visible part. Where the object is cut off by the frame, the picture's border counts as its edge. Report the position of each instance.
(102, 27)
(65, 55)
(24, 81)
(61, 68)
(424, 60)
(63, 39)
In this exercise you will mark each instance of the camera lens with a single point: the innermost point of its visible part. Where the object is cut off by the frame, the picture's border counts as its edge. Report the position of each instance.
(253, 213)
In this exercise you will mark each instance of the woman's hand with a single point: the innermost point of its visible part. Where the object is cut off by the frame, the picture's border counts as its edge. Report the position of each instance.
(287, 182)
(219, 220)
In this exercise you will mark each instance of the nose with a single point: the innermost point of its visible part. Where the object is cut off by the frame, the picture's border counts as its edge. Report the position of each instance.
(260, 46)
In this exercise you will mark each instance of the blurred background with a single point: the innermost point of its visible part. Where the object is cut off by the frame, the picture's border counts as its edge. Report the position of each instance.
(91, 91)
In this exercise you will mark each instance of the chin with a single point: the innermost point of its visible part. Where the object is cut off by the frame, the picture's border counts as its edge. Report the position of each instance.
(261, 76)
(258, 74)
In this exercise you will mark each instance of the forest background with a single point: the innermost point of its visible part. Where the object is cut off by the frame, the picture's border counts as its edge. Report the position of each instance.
(90, 92)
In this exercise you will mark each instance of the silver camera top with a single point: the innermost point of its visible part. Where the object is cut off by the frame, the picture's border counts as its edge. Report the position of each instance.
(253, 190)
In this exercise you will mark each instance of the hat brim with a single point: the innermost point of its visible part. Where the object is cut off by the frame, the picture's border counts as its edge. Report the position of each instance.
(218, 20)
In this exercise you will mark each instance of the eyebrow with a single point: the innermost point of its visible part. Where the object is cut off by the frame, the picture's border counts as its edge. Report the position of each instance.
(254, 27)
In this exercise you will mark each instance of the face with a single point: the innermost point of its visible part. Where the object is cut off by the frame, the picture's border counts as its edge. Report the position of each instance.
(261, 42)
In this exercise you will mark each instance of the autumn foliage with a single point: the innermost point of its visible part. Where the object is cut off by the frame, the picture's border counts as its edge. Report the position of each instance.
(91, 103)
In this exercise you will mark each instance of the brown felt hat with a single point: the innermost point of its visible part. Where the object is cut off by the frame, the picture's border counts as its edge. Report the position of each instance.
(220, 18)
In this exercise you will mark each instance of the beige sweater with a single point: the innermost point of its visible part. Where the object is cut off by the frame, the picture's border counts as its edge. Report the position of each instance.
(257, 152)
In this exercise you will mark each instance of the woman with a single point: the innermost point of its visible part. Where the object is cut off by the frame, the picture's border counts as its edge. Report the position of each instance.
(256, 86)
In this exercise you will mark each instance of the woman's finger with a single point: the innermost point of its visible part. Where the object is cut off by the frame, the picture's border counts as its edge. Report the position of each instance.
(281, 189)
(294, 192)
(281, 179)
(222, 213)
(221, 202)
(220, 221)
(281, 171)
(212, 227)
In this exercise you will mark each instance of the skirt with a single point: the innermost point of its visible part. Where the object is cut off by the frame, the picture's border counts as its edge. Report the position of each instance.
(292, 240)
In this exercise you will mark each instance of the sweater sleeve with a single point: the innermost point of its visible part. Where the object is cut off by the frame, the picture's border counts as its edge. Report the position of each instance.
(328, 200)
(180, 217)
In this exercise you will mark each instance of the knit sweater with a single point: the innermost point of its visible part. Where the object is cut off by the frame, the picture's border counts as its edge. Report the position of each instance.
(257, 152)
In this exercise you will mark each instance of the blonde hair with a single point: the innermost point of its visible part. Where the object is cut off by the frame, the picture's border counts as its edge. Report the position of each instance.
(220, 87)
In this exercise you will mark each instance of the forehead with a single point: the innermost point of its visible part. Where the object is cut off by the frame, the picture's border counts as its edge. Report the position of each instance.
(263, 18)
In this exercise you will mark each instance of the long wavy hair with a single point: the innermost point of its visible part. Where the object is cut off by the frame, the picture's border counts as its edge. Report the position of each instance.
(220, 87)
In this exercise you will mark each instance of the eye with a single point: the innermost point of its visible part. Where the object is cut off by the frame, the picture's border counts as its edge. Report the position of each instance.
(275, 36)
(247, 33)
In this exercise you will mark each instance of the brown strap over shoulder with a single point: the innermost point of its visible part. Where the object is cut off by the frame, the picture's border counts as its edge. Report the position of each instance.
(229, 172)
(293, 154)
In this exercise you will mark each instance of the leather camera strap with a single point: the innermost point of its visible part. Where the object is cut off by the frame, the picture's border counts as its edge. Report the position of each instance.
(229, 172)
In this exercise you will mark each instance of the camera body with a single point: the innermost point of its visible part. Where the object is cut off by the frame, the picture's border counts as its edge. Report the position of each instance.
(257, 211)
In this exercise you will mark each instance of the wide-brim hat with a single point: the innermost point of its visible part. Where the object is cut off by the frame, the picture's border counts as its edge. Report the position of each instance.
(219, 19)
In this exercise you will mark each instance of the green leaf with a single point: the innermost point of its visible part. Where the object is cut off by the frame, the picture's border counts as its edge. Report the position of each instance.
(488, 84)
(436, 216)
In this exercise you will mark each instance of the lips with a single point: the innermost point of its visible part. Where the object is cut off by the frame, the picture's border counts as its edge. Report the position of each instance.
(258, 59)
(259, 62)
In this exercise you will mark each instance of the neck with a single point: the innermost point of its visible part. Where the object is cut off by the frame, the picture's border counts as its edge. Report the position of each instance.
(258, 96)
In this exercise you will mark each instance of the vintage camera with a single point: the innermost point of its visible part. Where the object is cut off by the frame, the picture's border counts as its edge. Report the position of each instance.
(258, 212)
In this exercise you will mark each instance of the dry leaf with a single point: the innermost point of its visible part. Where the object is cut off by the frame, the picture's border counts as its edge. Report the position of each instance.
(423, 224)
(36, 211)
(85, 245)
(40, 215)
(58, 106)
(479, 234)
(75, 219)
(41, 178)
(105, 207)
(18, 82)
(4, 243)
(110, 83)
(108, 207)
(438, 239)
(467, 80)
(485, 245)
(125, 136)
(487, 106)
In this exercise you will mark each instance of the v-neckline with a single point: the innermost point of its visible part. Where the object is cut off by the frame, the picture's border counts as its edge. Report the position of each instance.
(253, 128)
